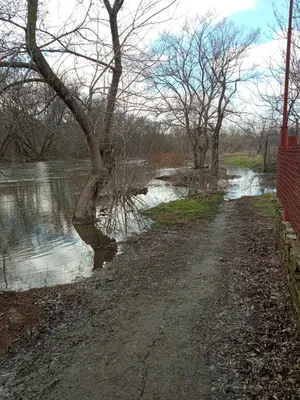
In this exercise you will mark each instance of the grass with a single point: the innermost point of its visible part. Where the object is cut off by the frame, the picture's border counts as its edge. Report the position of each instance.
(184, 210)
(243, 160)
(266, 204)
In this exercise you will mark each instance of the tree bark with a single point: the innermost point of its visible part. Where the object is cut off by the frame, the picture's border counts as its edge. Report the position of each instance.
(214, 168)
(202, 155)
(85, 210)
(59, 87)
(107, 150)
(265, 152)
(195, 157)
(203, 150)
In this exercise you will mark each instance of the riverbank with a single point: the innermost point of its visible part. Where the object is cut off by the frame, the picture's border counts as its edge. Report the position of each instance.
(193, 310)
(252, 162)
(190, 208)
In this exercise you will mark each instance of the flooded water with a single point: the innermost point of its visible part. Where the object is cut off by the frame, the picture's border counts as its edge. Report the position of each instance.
(246, 183)
(39, 246)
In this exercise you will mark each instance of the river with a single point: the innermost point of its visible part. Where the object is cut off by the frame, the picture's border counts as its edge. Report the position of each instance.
(39, 246)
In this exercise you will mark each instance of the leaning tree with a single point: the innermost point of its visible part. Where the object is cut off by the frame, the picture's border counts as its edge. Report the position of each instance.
(90, 45)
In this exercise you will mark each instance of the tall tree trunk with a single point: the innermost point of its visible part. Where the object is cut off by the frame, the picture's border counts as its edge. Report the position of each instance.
(59, 87)
(214, 167)
(195, 158)
(86, 206)
(203, 151)
(201, 158)
(265, 153)
(107, 150)
(85, 210)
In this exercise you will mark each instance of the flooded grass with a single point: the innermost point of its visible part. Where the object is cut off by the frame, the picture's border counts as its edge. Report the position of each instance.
(187, 209)
(243, 160)
(266, 204)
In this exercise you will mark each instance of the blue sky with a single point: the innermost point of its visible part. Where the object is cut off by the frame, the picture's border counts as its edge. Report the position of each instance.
(260, 16)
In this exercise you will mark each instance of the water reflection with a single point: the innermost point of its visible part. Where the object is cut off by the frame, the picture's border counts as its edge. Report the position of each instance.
(39, 245)
(247, 183)
(104, 247)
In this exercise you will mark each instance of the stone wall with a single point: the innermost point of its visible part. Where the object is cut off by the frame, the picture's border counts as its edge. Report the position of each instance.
(289, 247)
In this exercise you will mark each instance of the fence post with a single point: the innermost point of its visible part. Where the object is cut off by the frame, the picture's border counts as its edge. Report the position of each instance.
(283, 136)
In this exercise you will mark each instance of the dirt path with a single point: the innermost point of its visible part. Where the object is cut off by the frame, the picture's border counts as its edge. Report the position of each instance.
(197, 311)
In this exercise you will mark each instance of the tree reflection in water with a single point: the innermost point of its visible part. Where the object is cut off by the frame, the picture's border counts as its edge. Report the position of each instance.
(121, 217)
(39, 245)
(104, 247)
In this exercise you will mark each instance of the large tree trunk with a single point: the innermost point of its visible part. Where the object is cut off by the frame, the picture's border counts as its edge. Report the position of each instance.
(86, 206)
(85, 210)
(201, 158)
(214, 167)
(202, 152)
(107, 151)
(195, 158)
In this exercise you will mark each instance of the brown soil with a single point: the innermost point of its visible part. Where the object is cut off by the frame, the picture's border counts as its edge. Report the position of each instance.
(196, 311)
(25, 314)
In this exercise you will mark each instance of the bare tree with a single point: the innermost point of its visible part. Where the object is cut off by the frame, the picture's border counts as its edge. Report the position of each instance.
(101, 160)
(32, 120)
(261, 132)
(270, 97)
(28, 45)
(197, 74)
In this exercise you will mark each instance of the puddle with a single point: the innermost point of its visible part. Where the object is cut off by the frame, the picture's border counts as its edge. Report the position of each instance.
(247, 183)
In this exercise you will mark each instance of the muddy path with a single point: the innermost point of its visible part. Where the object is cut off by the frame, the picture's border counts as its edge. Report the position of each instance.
(196, 311)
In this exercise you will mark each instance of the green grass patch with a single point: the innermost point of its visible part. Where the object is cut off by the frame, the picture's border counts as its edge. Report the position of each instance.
(266, 204)
(184, 210)
(243, 160)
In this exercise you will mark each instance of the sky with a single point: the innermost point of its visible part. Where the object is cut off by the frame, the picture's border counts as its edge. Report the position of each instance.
(253, 13)
(260, 15)
(250, 13)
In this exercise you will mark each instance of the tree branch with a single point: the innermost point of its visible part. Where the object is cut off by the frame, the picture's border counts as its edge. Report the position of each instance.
(21, 82)
(18, 64)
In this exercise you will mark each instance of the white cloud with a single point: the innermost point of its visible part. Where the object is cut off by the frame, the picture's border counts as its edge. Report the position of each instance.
(61, 11)
(266, 53)
(223, 8)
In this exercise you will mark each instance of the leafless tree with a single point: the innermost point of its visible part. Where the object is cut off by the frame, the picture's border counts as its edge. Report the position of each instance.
(261, 132)
(197, 74)
(32, 118)
(28, 44)
(270, 96)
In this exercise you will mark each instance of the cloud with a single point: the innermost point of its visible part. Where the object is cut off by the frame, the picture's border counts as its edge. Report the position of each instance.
(222, 7)
(181, 9)
(268, 52)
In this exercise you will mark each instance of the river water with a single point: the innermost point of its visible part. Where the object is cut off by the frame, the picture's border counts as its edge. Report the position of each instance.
(39, 246)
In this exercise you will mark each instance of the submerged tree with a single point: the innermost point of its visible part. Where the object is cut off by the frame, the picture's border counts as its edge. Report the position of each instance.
(29, 44)
(197, 74)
